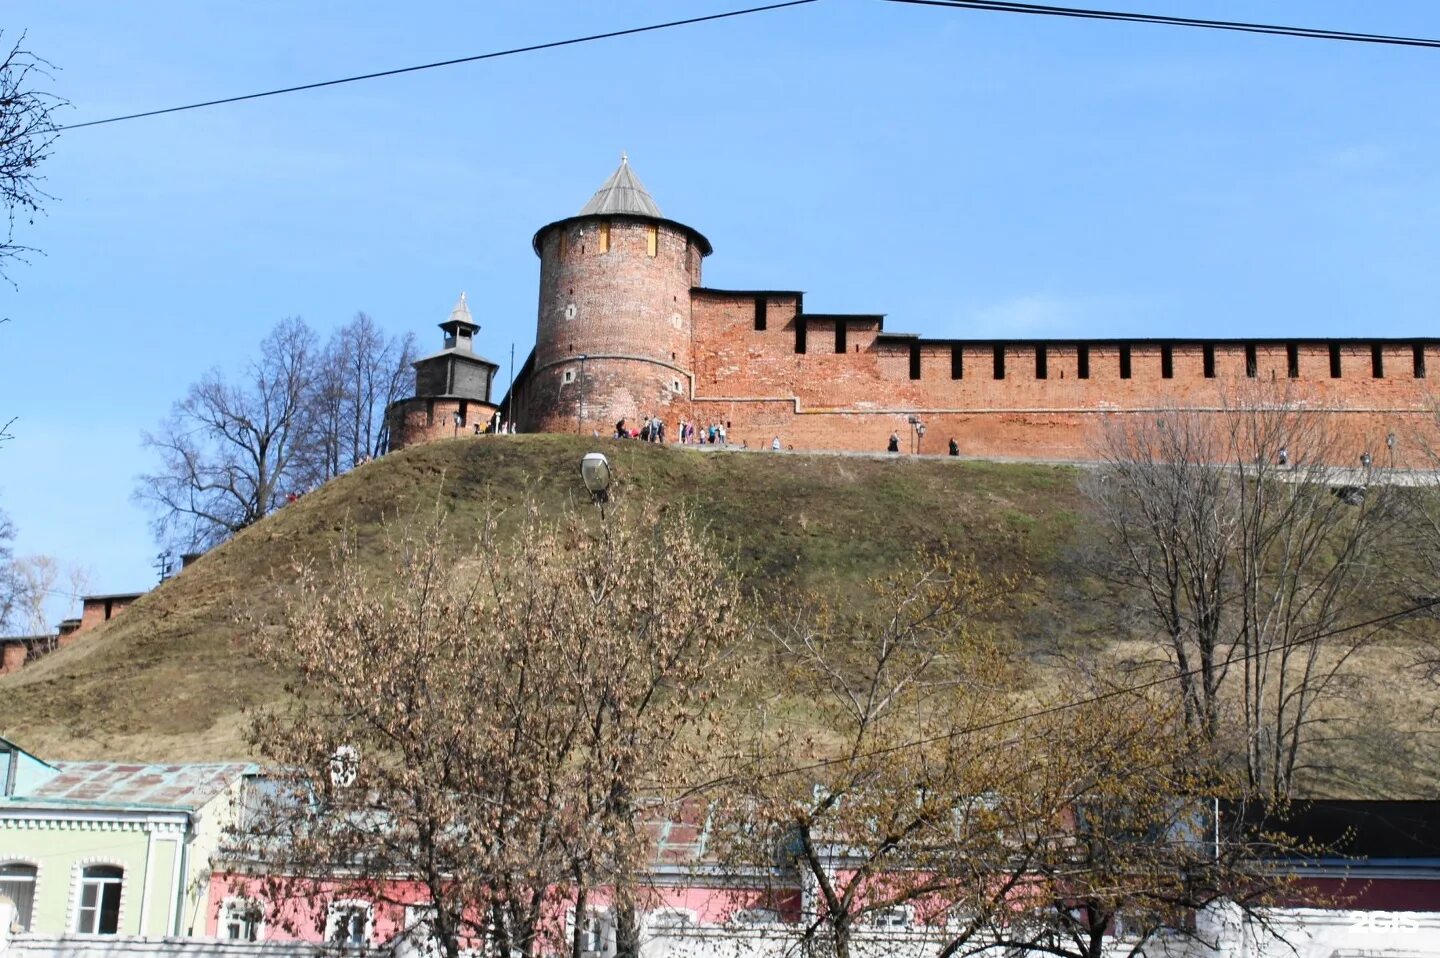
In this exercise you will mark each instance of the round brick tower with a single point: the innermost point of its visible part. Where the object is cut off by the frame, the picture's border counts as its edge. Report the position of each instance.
(613, 334)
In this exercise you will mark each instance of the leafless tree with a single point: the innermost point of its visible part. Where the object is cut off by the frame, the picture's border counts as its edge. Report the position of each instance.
(499, 702)
(27, 133)
(361, 372)
(12, 592)
(1250, 539)
(231, 451)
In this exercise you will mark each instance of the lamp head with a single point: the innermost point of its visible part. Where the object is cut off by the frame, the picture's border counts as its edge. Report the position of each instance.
(595, 473)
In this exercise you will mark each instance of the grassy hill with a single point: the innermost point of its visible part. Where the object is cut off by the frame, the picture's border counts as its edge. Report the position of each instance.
(171, 678)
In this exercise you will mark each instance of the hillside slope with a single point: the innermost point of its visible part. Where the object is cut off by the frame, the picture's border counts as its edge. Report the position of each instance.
(171, 678)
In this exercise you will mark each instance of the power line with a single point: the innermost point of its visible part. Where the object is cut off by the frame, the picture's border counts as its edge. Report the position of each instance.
(1073, 704)
(1312, 33)
(444, 63)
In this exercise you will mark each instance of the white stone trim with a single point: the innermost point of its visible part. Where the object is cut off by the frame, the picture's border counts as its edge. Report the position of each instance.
(39, 866)
(77, 878)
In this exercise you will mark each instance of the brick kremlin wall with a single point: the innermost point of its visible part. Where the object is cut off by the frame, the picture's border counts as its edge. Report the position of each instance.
(841, 382)
(424, 419)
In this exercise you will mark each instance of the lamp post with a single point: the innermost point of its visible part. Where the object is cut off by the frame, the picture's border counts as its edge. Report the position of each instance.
(595, 473)
(917, 434)
(580, 406)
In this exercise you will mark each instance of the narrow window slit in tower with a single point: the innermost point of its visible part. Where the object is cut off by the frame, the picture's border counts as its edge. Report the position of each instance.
(1335, 361)
(957, 361)
(1292, 360)
(1208, 353)
(1377, 361)
(1042, 363)
(604, 237)
(1124, 362)
(840, 330)
(1252, 363)
(1167, 361)
(915, 360)
(1417, 356)
(1082, 362)
(1000, 361)
(652, 240)
(761, 304)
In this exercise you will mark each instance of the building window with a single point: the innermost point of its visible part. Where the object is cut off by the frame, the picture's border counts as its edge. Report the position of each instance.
(675, 386)
(800, 334)
(1377, 361)
(1335, 369)
(1417, 356)
(761, 304)
(99, 911)
(1208, 354)
(999, 362)
(1292, 360)
(597, 934)
(840, 332)
(1082, 362)
(652, 240)
(914, 360)
(567, 377)
(1252, 364)
(957, 361)
(347, 924)
(17, 883)
(604, 237)
(1042, 363)
(898, 916)
(1124, 362)
(1167, 362)
(242, 919)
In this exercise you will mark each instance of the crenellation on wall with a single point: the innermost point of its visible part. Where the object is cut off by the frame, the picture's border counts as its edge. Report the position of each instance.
(623, 320)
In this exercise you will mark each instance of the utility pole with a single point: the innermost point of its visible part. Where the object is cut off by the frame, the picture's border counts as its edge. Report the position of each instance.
(510, 394)
(580, 409)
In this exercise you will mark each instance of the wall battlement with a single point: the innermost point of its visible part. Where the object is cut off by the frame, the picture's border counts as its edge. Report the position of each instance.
(626, 330)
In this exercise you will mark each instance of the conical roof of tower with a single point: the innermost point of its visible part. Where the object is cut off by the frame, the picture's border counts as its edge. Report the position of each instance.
(461, 312)
(622, 193)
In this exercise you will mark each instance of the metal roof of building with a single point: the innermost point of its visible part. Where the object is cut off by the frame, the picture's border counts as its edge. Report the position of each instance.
(123, 785)
(622, 193)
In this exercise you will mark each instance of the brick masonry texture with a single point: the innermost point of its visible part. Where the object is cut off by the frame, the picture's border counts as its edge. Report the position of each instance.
(655, 342)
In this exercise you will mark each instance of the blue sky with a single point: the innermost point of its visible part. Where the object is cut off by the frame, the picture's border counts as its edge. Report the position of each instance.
(966, 173)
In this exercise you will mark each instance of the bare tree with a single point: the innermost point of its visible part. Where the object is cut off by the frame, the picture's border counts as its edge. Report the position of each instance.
(475, 720)
(361, 372)
(231, 451)
(27, 133)
(943, 806)
(1248, 538)
(12, 592)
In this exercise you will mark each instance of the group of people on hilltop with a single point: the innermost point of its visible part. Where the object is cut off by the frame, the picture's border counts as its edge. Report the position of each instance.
(652, 429)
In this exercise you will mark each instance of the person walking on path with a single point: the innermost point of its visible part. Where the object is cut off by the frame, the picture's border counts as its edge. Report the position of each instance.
(894, 445)
(954, 447)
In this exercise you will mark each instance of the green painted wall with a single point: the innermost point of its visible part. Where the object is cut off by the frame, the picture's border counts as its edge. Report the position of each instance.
(57, 852)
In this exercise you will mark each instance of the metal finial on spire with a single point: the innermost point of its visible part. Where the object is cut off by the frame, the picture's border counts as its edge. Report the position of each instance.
(623, 157)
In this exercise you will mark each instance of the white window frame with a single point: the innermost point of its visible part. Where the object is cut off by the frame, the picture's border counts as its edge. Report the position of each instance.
(247, 913)
(348, 907)
(419, 930)
(34, 880)
(100, 884)
(755, 916)
(671, 920)
(598, 931)
(894, 917)
(567, 377)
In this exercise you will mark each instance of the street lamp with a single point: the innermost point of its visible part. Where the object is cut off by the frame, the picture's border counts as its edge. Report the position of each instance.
(580, 406)
(919, 429)
(595, 473)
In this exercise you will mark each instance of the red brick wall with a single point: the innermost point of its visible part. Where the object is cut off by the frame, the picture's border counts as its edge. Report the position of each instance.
(93, 612)
(12, 656)
(823, 400)
(628, 312)
(420, 419)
